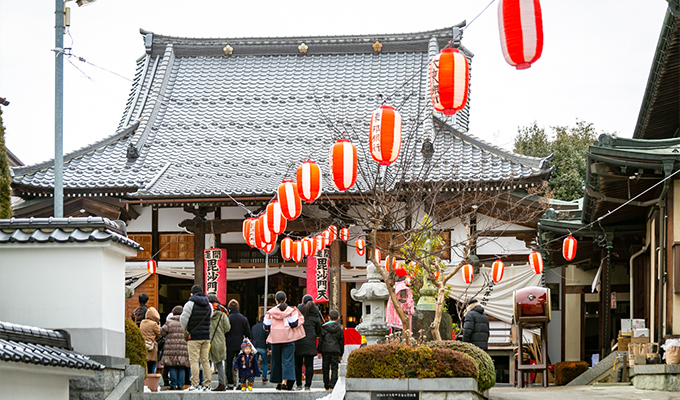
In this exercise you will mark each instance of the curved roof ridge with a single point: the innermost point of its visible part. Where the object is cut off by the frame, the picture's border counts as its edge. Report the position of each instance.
(289, 39)
(534, 162)
(107, 141)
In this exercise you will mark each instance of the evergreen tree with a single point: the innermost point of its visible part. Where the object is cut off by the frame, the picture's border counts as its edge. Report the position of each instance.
(569, 146)
(5, 177)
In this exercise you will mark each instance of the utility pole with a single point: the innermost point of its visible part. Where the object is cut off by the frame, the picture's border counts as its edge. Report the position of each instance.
(59, 109)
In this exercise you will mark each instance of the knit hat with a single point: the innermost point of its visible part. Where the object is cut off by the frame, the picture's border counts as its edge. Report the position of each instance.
(246, 343)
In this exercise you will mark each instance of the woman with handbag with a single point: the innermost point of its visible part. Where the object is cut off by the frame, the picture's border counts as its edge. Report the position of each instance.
(219, 326)
(285, 326)
(176, 355)
(151, 332)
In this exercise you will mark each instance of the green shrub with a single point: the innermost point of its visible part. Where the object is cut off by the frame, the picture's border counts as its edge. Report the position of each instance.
(487, 372)
(567, 371)
(396, 361)
(135, 348)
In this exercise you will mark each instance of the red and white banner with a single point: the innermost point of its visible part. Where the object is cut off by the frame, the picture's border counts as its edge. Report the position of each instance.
(317, 276)
(215, 261)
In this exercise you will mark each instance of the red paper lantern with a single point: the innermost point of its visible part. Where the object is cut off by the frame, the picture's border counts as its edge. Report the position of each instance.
(390, 262)
(151, 266)
(266, 236)
(342, 162)
(436, 276)
(269, 247)
(569, 248)
(400, 271)
(468, 273)
(288, 196)
(309, 181)
(521, 30)
(334, 232)
(308, 246)
(248, 227)
(449, 80)
(384, 137)
(275, 219)
(298, 254)
(497, 269)
(319, 243)
(360, 245)
(258, 241)
(536, 262)
(287, 248)
(377, 256)
(326, 237)
(344, 234)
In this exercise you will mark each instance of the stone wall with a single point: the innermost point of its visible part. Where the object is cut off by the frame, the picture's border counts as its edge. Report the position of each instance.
(104, 382)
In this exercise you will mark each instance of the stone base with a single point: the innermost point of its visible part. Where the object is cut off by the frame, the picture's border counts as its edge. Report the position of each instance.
(429, 389)
(423, 319)
(656, 377)
(105, 382)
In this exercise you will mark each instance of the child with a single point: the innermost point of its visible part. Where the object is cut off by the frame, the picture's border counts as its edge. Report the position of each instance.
(331, 347)
(246, 365)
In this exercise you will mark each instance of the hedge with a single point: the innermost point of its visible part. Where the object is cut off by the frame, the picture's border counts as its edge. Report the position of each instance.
(397, 361)
(135, 348)
(487, 372)
(567, 371)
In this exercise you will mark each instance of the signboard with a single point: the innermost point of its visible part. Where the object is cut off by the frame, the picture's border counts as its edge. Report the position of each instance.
(395, 395)
(317, 276)
(216, 273)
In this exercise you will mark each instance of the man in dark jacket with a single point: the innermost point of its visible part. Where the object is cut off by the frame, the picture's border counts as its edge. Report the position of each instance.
(195, 318)
(305, 348)
(140, 312)
(476, 325)
(240, 328)
(262, 347)
(331, 348)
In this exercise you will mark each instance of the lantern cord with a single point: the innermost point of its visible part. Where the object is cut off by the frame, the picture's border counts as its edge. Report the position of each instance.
(473, 19)
(184, 230)
(599, 220)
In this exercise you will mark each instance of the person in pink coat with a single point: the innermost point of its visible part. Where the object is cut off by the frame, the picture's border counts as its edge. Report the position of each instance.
(284, 324)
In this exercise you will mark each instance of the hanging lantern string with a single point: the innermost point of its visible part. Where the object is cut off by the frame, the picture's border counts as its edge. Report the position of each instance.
(184, 230)
(599, 220)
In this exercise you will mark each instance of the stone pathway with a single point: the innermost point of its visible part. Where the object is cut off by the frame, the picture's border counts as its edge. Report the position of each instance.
(579, 392)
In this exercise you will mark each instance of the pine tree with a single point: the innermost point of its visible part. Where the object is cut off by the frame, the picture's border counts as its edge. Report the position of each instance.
(5, 177)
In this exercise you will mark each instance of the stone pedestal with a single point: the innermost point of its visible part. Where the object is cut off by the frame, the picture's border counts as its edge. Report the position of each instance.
(423, 319)
(373, 296)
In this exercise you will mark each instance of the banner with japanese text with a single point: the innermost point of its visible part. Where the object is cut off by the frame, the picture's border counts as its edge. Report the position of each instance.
(216, 273)
(317, 276)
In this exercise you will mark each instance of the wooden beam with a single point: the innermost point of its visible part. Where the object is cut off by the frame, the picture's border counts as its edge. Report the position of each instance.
(334, 286)
(155, 237)
(199, 246)
(219, 226)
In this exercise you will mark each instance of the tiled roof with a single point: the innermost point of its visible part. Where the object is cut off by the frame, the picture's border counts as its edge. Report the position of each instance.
(64, 230)
(31, 345)
(209, 124)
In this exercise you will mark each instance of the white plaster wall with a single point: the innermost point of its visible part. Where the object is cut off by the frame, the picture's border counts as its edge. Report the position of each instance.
(143, 222)
(169, 218)
(572, 320)
(73, 286)
(555, 325)
(235, 212)
(501, 245)
(29, 385)
(486, 222)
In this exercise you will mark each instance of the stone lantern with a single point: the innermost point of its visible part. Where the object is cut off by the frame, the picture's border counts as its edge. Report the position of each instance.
(373, 296)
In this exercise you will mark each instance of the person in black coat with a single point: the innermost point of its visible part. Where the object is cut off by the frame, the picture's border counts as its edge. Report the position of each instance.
(331, 348)
(305, 348)
(261, 345)
(240, 329)
(476, 325)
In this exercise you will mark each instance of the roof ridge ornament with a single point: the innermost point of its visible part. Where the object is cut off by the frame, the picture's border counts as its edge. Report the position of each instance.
(303, 48)
(228, 50)
(377, 46)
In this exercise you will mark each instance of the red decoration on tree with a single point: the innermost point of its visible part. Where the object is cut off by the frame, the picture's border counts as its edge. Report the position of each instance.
(569, 248)
(400, 271)
(344, 234)
(287, 248)
(308, 246)
(449, 80)
(309, 181)
(497, 269)
(298, 254)
(536, 262)
(288, 196)
(360, 245)
(468, 273)
(384, 138)
(342, 162)
(151, 266)
(275, 219)
(521, 30)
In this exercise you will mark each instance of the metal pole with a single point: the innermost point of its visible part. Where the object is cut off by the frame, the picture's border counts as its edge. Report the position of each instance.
(266, 281)
(59, 109)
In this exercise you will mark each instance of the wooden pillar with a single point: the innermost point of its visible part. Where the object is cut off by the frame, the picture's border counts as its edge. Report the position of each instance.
(343, 302)
(199, 246)
(605, 300)
(155, 238)
(218, 236)
(334, 286)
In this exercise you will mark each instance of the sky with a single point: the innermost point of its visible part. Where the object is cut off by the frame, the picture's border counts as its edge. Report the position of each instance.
(595, 64)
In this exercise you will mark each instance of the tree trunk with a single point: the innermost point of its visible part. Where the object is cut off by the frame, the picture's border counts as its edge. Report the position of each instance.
(434, 326)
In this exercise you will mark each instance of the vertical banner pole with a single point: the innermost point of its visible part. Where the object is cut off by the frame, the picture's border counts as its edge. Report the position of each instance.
(266, 281)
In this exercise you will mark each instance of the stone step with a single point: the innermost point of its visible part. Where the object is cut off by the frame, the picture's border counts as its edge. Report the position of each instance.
(259, 393)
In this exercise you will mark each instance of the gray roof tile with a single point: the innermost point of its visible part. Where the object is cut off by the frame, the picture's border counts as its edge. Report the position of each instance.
(206, 124)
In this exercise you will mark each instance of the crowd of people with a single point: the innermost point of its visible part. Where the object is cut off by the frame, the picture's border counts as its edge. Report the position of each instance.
(203, 332)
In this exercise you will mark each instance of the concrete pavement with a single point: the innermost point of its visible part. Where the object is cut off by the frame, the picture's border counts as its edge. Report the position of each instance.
(579, 392)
